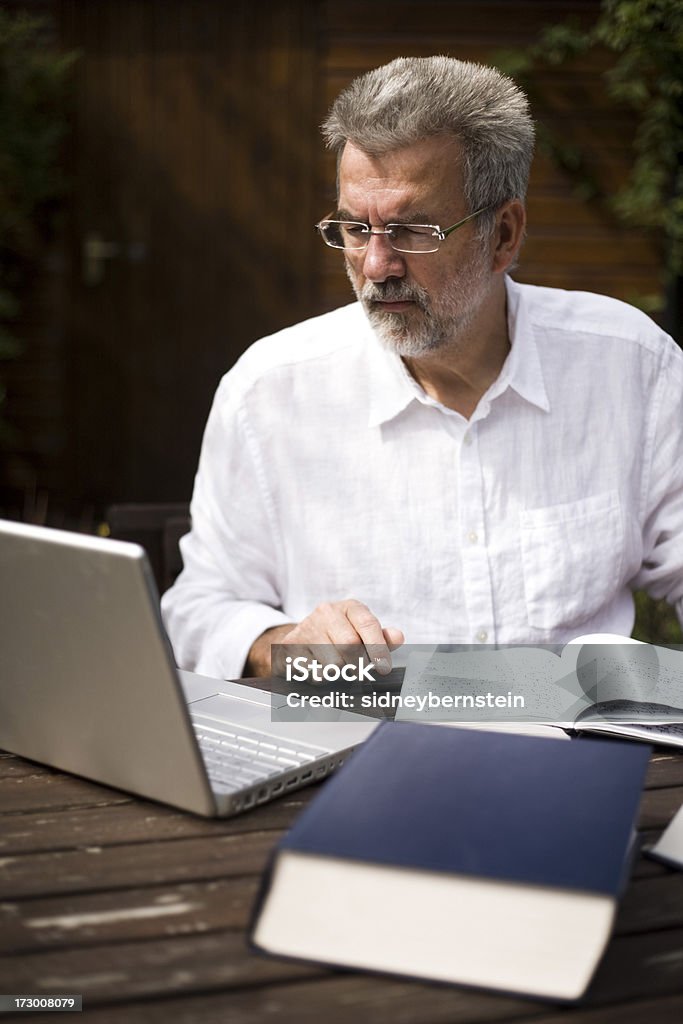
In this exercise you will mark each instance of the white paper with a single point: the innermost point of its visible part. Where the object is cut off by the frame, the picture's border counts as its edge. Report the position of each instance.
(670, 845)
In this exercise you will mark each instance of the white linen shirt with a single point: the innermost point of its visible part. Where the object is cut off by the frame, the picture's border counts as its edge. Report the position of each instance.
(326, 472)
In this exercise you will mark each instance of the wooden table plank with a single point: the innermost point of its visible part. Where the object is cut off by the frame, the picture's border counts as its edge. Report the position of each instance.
(328, 1000)
(48, 791)
(640, 966)
(120, 867)
(650, 904)
(665, 769)
(98, 918)
(368, 1001)
(115, 971)
(635, 967)
(334, 999)
(130, 822)
(660, 1011)
(658, 806)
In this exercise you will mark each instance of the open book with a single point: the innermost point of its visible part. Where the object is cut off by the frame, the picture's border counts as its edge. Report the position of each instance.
(600, 683)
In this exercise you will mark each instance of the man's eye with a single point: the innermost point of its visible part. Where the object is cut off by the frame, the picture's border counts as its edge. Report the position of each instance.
(408, 232)
(418, 230)
(356, 229)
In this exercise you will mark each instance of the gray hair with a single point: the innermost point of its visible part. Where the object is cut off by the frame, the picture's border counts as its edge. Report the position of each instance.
(413, 98)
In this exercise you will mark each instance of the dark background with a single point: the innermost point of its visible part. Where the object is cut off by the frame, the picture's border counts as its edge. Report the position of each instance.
(194, 154)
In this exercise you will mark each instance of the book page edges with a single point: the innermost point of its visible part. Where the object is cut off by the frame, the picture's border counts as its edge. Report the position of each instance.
(513, 937)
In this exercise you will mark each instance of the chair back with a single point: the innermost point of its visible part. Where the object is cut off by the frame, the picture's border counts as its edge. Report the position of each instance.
(157, 528)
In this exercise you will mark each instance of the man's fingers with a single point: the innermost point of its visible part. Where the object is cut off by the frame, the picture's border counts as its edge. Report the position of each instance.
(394, 637)
(369, 630)
(286, 648)
(380, 656)
(341, 632)
(311, 639)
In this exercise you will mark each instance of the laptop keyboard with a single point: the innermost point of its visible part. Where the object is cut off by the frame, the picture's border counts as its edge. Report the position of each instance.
(237, 758)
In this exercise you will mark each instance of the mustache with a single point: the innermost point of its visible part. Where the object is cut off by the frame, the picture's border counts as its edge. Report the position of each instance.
(394, 290)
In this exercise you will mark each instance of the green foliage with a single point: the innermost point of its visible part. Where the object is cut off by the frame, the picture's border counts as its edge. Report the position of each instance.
(656, 621)
(644, 39)
(33, 122)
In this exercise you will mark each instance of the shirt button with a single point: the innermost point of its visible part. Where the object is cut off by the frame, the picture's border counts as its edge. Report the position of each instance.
(472, 537)
(467, 440)
(482, 636)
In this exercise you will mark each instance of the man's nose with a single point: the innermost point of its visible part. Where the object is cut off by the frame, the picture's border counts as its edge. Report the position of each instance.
(380, 261)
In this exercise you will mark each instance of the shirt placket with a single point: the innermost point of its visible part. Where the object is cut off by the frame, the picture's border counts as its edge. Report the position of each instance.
(477, 585)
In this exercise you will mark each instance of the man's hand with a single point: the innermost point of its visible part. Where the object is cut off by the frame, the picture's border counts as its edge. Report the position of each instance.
(342, 628)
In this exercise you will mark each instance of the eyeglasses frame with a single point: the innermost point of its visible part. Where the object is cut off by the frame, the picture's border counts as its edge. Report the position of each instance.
(439, 233)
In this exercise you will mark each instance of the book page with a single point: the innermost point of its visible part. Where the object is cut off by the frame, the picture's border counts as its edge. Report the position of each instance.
(628, 681)
(665, 734)
(670, 844)
(512, 684)
(595, 679)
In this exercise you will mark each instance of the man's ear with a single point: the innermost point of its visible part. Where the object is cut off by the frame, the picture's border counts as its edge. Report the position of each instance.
(509, 234)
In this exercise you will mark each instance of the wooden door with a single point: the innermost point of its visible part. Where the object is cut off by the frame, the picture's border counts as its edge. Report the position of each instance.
(193, 125)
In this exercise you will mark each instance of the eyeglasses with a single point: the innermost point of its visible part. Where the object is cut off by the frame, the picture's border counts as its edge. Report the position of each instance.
(351, 234)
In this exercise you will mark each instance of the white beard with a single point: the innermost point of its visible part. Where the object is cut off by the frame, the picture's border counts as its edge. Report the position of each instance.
(434, 323)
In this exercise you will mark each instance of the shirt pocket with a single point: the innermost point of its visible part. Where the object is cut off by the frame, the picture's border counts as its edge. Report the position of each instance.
(572, 557)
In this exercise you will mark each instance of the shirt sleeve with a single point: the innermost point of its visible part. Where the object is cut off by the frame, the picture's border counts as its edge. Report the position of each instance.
(662, 500)
(227, 593)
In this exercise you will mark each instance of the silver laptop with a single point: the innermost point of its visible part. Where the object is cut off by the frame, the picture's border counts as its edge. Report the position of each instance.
(88, 685)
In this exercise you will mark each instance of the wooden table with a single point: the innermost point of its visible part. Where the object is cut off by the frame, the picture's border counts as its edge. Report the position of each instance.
(143, 910)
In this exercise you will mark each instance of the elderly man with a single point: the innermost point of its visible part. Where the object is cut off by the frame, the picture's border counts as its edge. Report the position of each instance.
(454, 457)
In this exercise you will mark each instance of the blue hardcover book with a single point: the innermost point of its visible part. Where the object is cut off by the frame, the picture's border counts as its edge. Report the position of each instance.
(480, 858)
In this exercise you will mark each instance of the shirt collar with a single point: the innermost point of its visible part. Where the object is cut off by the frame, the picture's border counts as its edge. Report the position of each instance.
(522, 369)
(392, 387)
